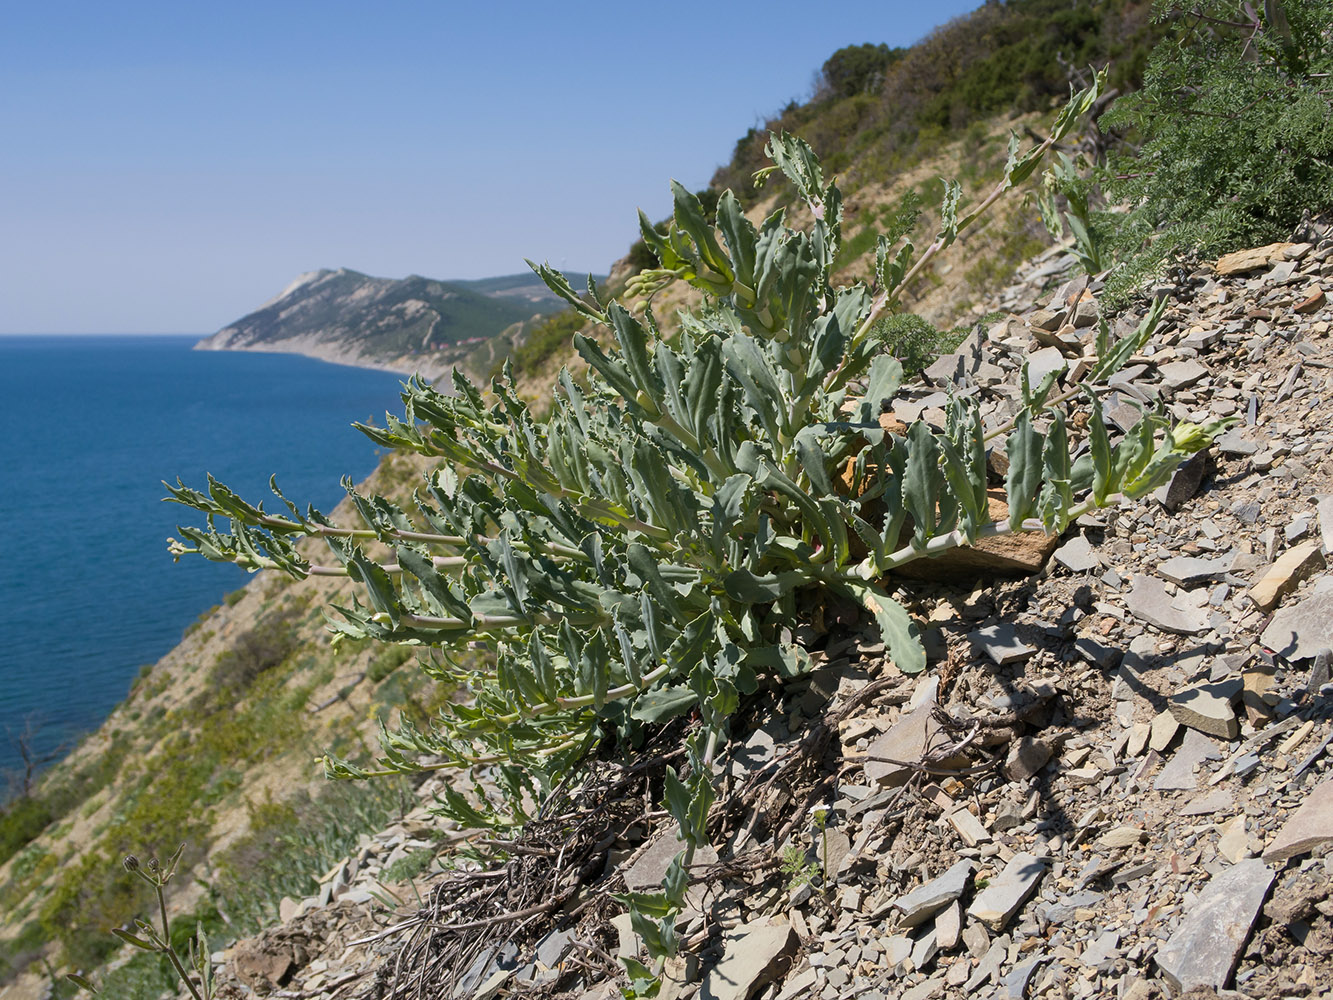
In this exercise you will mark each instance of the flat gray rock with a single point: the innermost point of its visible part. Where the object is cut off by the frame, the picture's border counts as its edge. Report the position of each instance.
(1192, 569)
(1299, 631)
(648, 871)
(1015, 983)
(1064, 910)
(1040, 363)
(1181, 374)
(1207, 708)
(1000, 900)
(753, 955)
(1001, 643)
(1236, 442)
(1326, 522)
(1308, 829)
(1205, 805)
(1178, 774)
(1149, 601)
(888, 757)
(926, 900)
(1096, 653)
(1077, 556)
(1204, 948)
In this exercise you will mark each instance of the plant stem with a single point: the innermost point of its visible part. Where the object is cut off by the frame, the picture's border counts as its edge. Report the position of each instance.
(166, 942)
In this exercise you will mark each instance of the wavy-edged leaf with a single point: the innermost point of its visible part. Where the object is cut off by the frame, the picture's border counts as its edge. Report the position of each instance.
(899, 632)
(1023, 480)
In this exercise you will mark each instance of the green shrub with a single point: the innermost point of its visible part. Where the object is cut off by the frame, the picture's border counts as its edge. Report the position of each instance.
(291, 842)
(387, 661)
(409, 866)
(253, 653)
(21, 820)
(913, 341)
(545, 339)
(1234, 134)
(857, 69)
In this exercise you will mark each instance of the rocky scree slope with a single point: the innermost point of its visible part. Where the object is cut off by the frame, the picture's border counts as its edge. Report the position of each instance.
(1114, 780)
(409, 325)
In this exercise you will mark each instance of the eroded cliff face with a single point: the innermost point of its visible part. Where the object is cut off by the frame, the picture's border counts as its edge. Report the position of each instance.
(412, 324)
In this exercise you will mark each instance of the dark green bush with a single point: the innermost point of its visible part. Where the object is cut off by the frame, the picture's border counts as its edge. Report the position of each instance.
(914, 342)
(859, 69)
(1234, 134)
(387, 661)
(22, 820)
(254, 652)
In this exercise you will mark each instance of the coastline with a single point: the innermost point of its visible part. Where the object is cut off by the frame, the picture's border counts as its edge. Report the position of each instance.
(431, 369)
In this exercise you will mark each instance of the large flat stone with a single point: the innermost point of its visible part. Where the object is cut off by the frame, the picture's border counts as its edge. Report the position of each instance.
(1149, 601)
(1192, 569)
(753, 955)
(1309, 828)
(1178, 774)
(1299, 631)
(1001, 643)
(929, 899)
(1000, 900)
(1207, 708)
(1018, 553)
(1077, 556)
(650, 867)
(1042, 363)
(1181, 374)
(905, 742)
(1250, 260)
(1204, 948)
(1281, 578)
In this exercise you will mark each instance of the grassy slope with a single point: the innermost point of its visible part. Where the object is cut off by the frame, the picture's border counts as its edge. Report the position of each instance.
(214, 748)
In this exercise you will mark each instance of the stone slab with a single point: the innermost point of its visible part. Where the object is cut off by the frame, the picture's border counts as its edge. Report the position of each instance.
(1191, 569)
(905, 741)
(1000, 900)
(1204, 948)
(926, 900)
(1001, 643)
(650, 867)
(753, 955)
(1207, 708)
(1242, 261)
(1149, 601)
(1300, 630)
(1017, 553)
(1309, 828)
(1077, 556)
(1178, 774)
(1281, 578)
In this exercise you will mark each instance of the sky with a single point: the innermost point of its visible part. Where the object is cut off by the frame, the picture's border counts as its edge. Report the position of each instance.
(167, 167)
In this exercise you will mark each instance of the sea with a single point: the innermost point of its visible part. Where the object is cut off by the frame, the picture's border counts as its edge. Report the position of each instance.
(92, 427)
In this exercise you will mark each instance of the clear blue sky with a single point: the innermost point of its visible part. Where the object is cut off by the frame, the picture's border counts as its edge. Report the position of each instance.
(165, 167)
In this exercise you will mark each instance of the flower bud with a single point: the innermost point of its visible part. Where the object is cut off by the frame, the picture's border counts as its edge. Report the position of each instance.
(131, 863)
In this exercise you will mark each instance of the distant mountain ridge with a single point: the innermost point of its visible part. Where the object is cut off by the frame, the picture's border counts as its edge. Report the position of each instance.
(412, 324)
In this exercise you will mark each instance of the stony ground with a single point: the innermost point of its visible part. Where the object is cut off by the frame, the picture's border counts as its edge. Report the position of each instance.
(1114, 781)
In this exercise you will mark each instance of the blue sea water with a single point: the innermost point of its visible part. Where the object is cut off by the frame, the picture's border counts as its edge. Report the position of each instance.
(92, 425)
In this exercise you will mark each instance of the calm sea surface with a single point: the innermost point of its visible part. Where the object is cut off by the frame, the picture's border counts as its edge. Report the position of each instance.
(92, 425)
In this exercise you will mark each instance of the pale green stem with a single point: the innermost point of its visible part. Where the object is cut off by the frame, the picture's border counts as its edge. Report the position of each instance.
(942, 543)
(493, 758)
(166, 942)
(585, 701)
